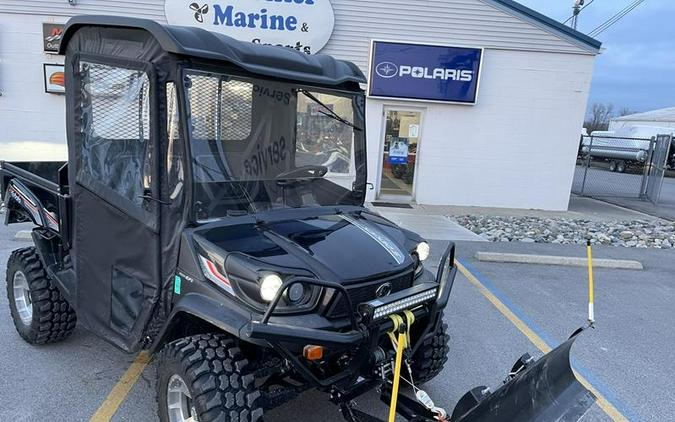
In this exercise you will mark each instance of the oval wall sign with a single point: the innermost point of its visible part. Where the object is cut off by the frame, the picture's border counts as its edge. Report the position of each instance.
(305, 25)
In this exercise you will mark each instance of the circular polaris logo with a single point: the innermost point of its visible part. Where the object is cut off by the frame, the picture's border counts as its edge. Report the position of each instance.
(383, 290)
(386, 70)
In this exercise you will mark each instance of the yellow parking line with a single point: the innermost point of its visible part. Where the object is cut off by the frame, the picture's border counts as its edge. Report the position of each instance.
(119, 392)
(126, 382)
(603, 403)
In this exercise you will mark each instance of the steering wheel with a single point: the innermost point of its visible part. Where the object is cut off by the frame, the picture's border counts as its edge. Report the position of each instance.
(304, 171)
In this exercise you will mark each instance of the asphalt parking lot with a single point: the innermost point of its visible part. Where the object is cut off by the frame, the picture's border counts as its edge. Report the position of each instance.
(627, 358)
(623, 189)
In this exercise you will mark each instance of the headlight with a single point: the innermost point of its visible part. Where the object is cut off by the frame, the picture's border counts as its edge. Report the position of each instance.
(296, 293)
(269, 286)
(423, 250)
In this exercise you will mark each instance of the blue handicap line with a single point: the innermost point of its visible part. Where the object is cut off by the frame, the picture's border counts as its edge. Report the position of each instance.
(603, 388)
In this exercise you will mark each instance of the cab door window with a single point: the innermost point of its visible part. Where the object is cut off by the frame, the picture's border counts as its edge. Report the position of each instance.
(116, 156)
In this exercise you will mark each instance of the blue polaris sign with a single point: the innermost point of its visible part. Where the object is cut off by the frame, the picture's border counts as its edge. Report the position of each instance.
(424, 72)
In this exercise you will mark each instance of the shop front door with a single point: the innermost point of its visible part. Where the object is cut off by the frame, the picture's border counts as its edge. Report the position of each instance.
(401, 138)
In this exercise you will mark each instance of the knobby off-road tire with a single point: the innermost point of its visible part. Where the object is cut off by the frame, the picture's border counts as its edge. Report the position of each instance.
(431, 356)
(219, 379)
(52, 317)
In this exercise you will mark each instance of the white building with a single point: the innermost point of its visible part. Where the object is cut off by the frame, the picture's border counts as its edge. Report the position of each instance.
(662, 118)
(514, 147)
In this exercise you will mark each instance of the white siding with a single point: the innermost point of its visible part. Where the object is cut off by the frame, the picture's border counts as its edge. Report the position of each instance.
(150, 9)
(453, 22)
(456, 22)
(515, 148)
(27, 113)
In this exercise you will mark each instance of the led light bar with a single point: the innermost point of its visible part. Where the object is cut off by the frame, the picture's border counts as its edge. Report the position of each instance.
(405, 299)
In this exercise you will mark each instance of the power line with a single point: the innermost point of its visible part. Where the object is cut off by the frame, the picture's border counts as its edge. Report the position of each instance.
(572, 17)
(614, 19)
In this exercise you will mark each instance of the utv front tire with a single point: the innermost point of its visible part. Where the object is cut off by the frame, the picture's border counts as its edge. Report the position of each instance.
(40, 314)
(431, 356)
(216, 381)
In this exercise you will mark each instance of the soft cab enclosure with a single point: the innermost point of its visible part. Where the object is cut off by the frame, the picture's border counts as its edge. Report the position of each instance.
(132, 187)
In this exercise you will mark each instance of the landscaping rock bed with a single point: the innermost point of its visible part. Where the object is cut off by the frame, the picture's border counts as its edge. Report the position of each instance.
(638, 234)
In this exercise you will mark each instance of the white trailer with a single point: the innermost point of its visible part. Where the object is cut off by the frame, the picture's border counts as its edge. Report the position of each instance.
(626, 146)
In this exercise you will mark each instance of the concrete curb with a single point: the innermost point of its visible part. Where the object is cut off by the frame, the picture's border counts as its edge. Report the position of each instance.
(23, 235)
(569, 261)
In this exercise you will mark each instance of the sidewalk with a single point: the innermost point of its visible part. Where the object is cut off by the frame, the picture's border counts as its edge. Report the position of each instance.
(435, 222)
(664, 209)
(579, 208)
(429, 226)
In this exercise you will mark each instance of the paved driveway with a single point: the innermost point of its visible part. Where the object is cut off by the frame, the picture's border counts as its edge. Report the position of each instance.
(628, 355)
(624, 189)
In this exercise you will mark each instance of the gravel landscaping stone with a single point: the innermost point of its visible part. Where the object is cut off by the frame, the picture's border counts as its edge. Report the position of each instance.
(633, 234)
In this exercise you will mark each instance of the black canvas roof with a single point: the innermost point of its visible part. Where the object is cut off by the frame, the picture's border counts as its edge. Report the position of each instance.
(279, 62)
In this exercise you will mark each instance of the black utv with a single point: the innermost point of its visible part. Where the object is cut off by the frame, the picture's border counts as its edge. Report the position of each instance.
(212, 211)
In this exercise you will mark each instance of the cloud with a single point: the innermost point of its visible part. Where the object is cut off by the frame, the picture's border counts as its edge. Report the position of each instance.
(629, 56)
(636, 67)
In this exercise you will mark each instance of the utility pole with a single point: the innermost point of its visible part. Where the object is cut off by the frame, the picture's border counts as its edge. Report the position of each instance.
(575, 12)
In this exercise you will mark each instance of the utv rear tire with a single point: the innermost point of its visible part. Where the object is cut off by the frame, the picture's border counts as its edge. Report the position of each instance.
(219, 380)
(42, 315)
(431, 356)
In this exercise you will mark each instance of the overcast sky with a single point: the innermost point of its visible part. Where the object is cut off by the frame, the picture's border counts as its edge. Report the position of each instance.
(637, 67)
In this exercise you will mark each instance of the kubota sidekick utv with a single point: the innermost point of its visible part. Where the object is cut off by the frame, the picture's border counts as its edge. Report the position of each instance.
(212, 211)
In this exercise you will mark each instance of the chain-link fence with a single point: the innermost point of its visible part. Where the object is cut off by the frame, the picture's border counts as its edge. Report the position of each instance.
(659, 166)
(612, 166)
(620, 167)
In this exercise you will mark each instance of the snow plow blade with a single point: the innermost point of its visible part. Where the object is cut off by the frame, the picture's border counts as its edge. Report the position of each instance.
(545, 390)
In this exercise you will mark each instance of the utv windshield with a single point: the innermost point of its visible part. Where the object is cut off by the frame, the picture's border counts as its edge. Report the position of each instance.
(258, 145)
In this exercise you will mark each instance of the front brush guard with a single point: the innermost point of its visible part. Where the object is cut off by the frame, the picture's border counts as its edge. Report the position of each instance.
(362, 335)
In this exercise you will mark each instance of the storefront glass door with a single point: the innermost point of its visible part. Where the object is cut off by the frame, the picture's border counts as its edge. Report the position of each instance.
(401, 137)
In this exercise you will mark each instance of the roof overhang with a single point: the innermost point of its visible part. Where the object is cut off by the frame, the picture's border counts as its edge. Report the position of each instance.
(588, 43)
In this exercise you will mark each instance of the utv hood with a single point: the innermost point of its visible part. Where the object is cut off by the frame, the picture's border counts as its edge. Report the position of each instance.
(341, 247)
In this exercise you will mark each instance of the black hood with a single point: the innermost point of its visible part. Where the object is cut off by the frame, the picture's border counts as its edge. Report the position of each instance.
(337, 247)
